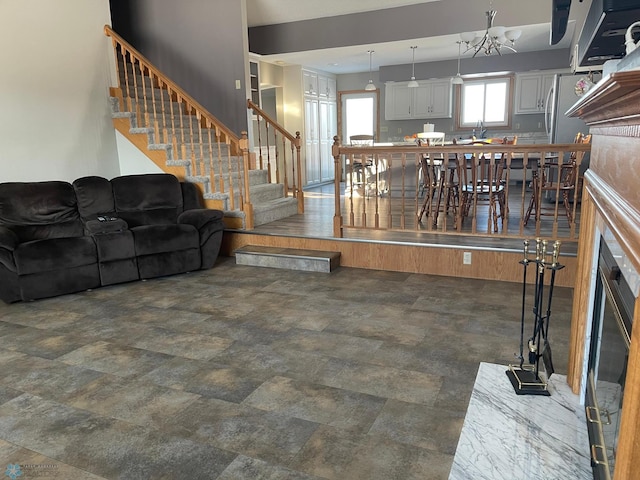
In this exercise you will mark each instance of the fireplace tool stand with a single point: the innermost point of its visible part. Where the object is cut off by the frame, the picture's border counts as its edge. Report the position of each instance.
(526, 379)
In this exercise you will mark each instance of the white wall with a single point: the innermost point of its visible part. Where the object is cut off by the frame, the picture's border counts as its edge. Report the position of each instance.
(132, 160)
(55, 62)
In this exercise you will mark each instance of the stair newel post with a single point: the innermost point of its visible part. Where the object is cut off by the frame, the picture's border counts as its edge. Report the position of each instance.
(246, 207)
(282, 163)
(298, 165)
(337, 217)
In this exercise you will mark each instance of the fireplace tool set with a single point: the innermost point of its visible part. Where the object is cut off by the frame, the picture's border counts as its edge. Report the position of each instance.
(526, 379)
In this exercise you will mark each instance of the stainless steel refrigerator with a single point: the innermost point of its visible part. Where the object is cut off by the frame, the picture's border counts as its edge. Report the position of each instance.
(561, 97)
(560, 128)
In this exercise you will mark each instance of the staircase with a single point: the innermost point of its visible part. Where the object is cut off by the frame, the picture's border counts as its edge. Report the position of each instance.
(170, 128)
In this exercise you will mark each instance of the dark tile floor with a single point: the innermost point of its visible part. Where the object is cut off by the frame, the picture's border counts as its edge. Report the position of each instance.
(245, 373)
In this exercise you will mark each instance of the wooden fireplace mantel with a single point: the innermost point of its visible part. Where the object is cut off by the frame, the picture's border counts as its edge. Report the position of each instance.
(611, 198)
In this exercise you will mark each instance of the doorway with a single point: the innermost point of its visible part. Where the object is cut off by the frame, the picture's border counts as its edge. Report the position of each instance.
(358, 114)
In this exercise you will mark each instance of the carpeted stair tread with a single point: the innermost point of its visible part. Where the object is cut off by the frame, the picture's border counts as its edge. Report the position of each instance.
(196, 149)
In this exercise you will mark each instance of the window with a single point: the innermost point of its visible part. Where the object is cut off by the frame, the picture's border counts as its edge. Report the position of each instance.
(359, 114)
(485, 101)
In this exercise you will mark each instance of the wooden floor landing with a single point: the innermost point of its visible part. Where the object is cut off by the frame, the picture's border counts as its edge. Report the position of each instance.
(406, 251)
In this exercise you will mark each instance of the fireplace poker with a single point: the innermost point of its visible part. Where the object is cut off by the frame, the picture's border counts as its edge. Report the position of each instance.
(525, 263)
(533, 349)
(546, 352)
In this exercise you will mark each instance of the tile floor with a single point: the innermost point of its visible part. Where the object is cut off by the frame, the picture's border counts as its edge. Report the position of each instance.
(245, 373)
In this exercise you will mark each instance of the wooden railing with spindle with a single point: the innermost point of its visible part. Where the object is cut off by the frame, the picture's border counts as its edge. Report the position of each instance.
(384, 189)
(161, 108)
(284, 164)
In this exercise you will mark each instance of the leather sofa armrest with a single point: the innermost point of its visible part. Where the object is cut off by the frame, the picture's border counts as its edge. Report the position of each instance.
(206, 220)
(108, 225)
(8, 239)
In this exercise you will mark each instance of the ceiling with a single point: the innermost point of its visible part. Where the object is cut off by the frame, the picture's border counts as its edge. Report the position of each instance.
(352, 59)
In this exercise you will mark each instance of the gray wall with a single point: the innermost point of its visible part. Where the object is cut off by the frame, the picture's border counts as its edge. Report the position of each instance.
(516, 62)
(395, 130)
(389, 24)
(199, 44)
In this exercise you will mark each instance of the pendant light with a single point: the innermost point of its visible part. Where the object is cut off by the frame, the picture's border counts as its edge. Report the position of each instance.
(457, 80)
(413, 83)
(370, 85)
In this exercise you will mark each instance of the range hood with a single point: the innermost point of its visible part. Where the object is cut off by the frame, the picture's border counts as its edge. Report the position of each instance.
(602, 37)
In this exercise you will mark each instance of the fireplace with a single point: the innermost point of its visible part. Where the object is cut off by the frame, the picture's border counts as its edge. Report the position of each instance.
(608, 354)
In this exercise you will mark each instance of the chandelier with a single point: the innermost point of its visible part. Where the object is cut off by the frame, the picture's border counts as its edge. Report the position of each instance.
(493, 40)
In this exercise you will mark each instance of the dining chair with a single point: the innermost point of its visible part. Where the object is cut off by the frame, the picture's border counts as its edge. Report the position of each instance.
(361, 165)
(439, 183)
(558, 179)
(482, 181)
(429, 139)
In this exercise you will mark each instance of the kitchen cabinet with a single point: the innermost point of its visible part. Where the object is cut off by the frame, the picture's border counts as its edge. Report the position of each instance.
(320, 126)
(311, 141)
(327, 87)
(430, 99)
(531, 92)
(328, 128)
(310, 83)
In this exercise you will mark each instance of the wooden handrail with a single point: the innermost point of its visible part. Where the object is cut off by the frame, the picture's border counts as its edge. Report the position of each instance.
(189, 140)
(281, 161)
(203, 111)
(489, 148)
(273, 123)
(387, 188)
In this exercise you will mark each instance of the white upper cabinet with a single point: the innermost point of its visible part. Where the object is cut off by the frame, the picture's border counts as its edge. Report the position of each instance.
(398, 102)
(531, 92)
(318, 85)
(326, 87)
(431, 99)
(310, 83)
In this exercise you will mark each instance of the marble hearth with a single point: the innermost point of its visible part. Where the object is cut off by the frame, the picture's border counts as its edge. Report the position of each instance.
(515, 437)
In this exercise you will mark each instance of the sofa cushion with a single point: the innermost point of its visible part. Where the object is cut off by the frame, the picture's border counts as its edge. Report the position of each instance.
(95, 197)
(151, 199)
(54, 254)
(38, 210)
(152, 239)
(115, 246)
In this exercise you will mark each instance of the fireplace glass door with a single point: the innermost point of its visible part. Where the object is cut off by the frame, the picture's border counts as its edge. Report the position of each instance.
(609, 352)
